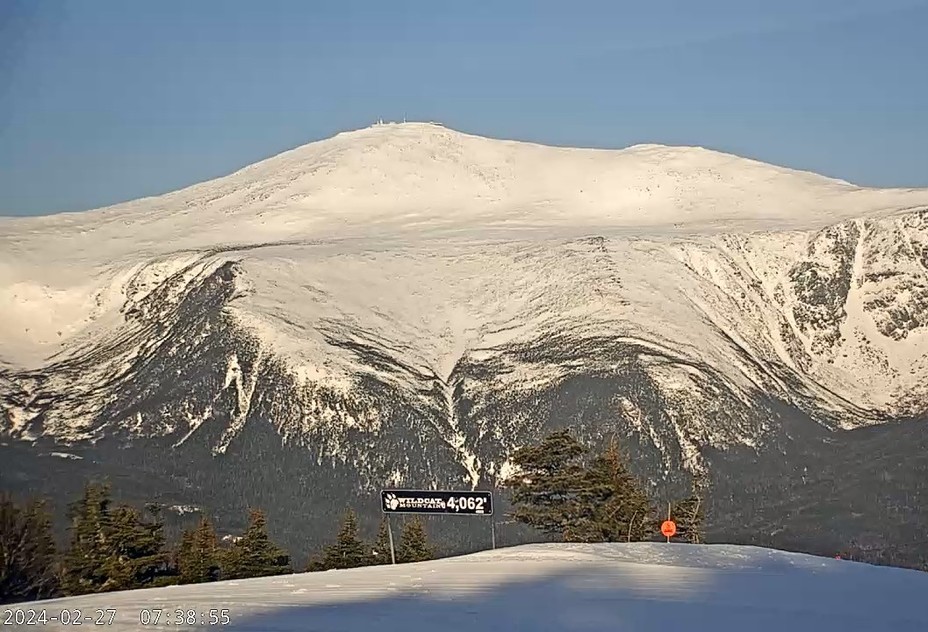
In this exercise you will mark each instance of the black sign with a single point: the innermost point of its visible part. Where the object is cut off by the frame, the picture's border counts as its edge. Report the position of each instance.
(436, 502)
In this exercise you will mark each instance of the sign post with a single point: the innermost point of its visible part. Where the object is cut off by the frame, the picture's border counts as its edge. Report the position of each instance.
(668, 527)
(420, 501)
(390, 536)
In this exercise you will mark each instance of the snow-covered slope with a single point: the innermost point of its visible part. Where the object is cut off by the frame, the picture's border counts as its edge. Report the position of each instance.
(412, 303)
(540, 588)
(416, 180)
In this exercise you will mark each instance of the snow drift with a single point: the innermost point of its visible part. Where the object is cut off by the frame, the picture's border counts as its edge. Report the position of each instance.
(556, 588)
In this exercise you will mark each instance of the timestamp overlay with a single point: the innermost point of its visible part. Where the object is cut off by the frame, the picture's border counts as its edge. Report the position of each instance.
(120, 612)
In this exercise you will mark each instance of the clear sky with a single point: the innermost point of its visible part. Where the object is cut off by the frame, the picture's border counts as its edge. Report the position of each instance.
(108, 100)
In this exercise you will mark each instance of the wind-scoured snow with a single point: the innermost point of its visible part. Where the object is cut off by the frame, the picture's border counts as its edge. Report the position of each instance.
(549, 588)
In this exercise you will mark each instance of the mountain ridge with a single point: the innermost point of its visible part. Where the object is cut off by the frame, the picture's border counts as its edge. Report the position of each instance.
(406, 136)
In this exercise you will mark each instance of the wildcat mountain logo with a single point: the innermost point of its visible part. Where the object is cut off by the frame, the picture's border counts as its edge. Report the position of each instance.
(393, 503)
(469, 502)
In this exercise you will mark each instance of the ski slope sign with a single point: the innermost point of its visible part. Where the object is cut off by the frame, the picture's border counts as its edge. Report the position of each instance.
(417, 501)
(669, 529)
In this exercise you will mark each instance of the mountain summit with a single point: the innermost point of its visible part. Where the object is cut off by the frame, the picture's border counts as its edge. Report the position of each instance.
(433, 180)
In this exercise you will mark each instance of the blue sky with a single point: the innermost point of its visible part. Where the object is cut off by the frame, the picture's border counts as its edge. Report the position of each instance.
(107, 100)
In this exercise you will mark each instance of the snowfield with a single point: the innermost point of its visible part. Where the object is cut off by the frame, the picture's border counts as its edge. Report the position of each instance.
(552, 588)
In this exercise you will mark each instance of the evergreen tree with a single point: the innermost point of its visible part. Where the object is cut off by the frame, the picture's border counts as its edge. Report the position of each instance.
(136, 556)
(621, 508)
(348, 551)
(254, 555)
(556, 493)
(548, 491)
(414, 545)
(381, 550)
(112, 548)
(28, 569)
(316, 563)
(86, 558)
(198, 556)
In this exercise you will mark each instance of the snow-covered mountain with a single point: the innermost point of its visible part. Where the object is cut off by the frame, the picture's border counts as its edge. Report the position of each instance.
(406, 304)
(538, 588)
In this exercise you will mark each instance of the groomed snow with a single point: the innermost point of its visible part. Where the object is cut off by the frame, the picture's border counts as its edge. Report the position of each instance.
(553, 588)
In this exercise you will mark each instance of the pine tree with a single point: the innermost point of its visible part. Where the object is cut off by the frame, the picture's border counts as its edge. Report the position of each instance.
(622, 510)
(414, 545)
(348, 551)
(381, 549)
(136, 549)
(557, 494)
(548, 492)
(198, 556)
(316, 563)
(254, 555)
(112, 548)
(28, 569)
(87, 556)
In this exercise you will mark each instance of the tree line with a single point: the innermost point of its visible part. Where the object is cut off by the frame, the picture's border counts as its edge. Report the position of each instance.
(118, 547)
(560, 489)
(350, 551)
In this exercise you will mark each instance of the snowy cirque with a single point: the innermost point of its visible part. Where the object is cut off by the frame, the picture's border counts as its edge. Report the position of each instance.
(548, 588)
